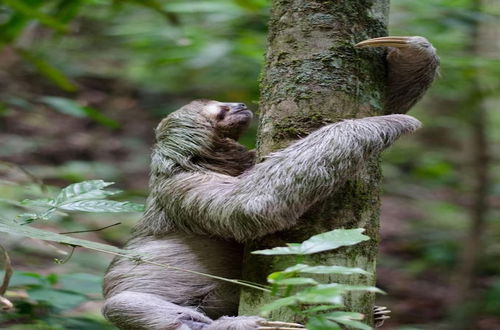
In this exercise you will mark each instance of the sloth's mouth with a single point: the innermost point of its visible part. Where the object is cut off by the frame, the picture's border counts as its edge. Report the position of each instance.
(243, 110)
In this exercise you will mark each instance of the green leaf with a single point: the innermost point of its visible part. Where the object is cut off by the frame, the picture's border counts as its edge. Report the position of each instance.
(294, 281)
(302, 268)
(83, 190)
(43, 18)
(345, 315)
(329, 293)
(321, 294)
(20, 279)
(278, 303)
(318, 243)
(348, 318)
(68, 9)
(321, 308)
(291, 249)
(44, 202)
(321, 323)
(102, 205)
(48, 70)
(86, 284)
(98, 117)
(66, 106)
(347, 287)
(13, 27)
(28, 217)
(59, 299)
(10, 227)
(72, 108)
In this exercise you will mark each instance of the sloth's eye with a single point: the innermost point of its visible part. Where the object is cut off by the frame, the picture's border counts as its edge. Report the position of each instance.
(222, 113)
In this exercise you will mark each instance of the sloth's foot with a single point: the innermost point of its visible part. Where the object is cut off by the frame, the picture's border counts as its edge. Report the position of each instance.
(276, 325)
(380, 315)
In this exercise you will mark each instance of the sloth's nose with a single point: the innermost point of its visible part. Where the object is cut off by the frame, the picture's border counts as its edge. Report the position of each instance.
(240, 106)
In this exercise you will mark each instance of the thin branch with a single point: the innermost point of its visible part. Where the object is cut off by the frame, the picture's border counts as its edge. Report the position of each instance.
(6, 279)
(90, 230)
(66, 259)
(140, 259)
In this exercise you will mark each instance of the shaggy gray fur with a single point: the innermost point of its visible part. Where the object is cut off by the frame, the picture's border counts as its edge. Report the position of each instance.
(410, 73)
(207, 196)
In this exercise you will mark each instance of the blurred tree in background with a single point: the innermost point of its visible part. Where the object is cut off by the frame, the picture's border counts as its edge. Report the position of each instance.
(84, 82)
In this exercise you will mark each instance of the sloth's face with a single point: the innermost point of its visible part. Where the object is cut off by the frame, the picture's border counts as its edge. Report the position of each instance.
(231, 119)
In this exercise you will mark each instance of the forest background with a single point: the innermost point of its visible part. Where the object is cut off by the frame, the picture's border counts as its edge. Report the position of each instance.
(84, 82)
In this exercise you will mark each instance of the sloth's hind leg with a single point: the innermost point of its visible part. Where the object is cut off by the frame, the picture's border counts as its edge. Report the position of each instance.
(144, 311)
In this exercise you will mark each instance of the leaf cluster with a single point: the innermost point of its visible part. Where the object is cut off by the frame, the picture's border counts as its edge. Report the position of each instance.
(304, 295)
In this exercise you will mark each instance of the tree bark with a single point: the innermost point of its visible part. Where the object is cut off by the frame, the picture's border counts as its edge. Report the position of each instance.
(314, 76)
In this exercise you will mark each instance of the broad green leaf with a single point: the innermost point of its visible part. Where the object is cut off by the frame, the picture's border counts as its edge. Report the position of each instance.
(68, 9)
(278, 303)
(321, 323)
(322, 242)
(29, 217)
(72, 108)
(294, 281)
(302, 268)
(290, 249)
(10, 227)
(98, 117)
(329, 293)
(102, 205)
(48, 70)
(333, 239)
(20, 279)
(86, 284)
(321, 308)
(66, 106)
(276, 276)
(347, 287)
(11, 29)
(44, 202)
(86, 189)
(348, 318)
(60, 299)
(321, 294)
(345, 315)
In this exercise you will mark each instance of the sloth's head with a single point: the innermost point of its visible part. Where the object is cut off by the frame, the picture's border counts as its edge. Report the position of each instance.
(203, 134)
(227, 120)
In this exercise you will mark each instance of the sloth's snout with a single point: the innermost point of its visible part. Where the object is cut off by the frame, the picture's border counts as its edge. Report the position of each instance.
(238, 107)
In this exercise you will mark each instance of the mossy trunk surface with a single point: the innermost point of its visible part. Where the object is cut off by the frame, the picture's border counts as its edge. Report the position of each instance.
(314, 76)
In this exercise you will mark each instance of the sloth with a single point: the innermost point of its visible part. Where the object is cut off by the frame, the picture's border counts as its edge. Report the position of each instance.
(208, 197)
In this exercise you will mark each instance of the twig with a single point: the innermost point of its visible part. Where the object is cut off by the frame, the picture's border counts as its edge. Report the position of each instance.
(6, 279)
(66, 259)
(90, 230)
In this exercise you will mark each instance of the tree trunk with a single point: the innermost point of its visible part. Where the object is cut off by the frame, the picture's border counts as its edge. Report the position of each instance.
(314, 76)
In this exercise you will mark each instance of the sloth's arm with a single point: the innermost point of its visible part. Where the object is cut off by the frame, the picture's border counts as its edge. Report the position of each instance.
(272, 195)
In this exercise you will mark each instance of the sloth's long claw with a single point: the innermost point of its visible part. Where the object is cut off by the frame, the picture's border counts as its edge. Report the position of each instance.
(398, 42)
(379, 315)
(277, 325)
